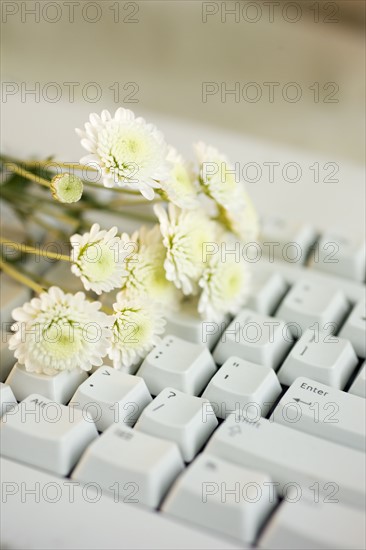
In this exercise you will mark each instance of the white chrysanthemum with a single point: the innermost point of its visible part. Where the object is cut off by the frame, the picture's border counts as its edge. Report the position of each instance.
(129, 152)
(138, 324)
(230, 203)
(59, 331)
(217, 178)
(145, 268)
(99, 259)
(185, 233)
(179, 187)
(244, 225)
(225, 287)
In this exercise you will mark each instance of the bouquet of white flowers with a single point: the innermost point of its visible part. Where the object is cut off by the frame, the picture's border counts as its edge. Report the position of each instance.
(146, 275)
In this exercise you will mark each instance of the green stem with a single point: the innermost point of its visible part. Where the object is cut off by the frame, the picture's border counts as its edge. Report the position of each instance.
(137, 216)
(49, 164)
(27, 175)
(17, 276)
(52, 164)
(13, 165)
(115, 190)
(32, 250)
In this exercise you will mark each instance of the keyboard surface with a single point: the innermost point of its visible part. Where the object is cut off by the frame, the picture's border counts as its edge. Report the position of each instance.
(226, 440)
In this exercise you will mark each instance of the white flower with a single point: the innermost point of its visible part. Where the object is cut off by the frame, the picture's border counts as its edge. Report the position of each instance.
(98, 259)
(145, 268)
(136, 268)
(185, 233)
(179, 187)
(217, 178)
(129, 152)
(225, 287)
(230, 203)
(138, 324)
(244, 225)
(59, 331)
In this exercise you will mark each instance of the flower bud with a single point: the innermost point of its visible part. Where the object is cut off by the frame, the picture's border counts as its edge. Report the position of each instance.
(67, 188)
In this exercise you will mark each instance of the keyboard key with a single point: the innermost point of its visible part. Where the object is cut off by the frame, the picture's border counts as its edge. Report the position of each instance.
(112, 396)
(321, 357)
(7, 399)
(291, 457)
(178, 364)
(131, 369)
(133, 465)
(93, 520)
(188, 325)
(267, 291)
(239, 385)
(359, 384)
(12, 295)
(45, 434)
(354, 329)
(256, 338)
(339, 255)
(292, 273)
(217, 495)
(58, 387)
(179, 417)
(308, 303)
(325, 412)
(314, 525)
(7, 359)
(286, 241)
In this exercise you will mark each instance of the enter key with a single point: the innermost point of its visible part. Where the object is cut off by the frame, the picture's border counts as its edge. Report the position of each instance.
(323, 411)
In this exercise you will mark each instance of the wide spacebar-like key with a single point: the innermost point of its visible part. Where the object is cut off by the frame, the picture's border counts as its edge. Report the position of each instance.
(60, 513)
(315, 526)
(295, 460)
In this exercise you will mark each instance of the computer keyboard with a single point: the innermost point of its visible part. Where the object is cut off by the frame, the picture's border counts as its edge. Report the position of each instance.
(247, 432)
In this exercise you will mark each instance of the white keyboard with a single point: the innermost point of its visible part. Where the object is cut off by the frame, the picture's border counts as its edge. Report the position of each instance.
(250, 435)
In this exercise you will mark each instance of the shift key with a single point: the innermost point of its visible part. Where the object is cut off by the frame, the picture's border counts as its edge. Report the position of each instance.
(323, 411)
(293, 459)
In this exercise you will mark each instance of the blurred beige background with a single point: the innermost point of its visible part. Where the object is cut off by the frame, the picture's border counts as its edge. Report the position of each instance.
(167, 51)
